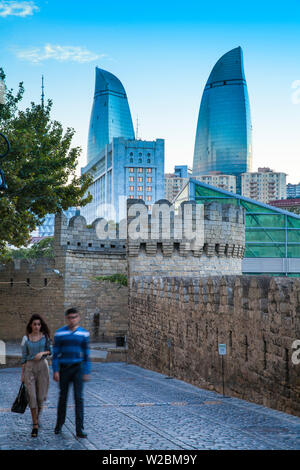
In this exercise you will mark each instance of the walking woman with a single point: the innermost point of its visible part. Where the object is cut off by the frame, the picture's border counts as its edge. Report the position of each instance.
(36, 346)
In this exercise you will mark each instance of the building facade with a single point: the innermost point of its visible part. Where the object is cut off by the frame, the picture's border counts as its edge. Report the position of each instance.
(291, 204)
(227, 182)
(110, 115)
(174, 182)
(264, 185)
(293, 190)
(223, 143)
(125, 169)
(47, 227)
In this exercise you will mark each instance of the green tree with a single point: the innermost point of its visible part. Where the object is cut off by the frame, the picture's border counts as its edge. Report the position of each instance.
(42, 249)
(295, 209)
(40, 170)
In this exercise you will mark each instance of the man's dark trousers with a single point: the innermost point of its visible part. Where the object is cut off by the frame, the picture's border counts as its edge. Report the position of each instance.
(70, 373)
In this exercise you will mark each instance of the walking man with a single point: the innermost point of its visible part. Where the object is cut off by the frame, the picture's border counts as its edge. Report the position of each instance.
(71, 363)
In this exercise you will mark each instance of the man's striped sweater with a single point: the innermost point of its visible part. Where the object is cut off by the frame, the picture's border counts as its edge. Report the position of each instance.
(71, 347)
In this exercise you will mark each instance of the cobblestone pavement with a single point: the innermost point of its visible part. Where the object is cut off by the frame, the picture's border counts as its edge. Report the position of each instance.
(127, 407)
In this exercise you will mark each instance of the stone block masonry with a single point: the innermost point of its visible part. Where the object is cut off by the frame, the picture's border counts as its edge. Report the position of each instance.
(176, 325)
(202, 240)
(80, 256)
(27, 288)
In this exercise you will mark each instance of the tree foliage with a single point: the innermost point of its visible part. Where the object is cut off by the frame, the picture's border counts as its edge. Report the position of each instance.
(40, 170)
(42, 249)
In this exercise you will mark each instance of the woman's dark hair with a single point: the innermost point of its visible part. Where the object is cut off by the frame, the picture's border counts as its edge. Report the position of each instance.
(44, 326)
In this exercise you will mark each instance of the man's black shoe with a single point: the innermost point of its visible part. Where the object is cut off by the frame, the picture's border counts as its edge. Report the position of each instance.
(57, 430)
(81, 434)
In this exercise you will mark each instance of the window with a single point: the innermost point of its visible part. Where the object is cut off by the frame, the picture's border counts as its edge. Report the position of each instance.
(131, 170)
(140, 197)
(131, 197)
(140, 188)
(131, 178)
(140, 170)
(148, 160)
(140, 179)
(149, 198)
(131, 188)
(149, 179)
(140, 160)
(148, 154)
(140, 154)
(131, 154)
(149, 170)
(131, 160)
(149, 189)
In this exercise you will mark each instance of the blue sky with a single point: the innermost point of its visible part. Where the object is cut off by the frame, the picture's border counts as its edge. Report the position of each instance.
(163, 52)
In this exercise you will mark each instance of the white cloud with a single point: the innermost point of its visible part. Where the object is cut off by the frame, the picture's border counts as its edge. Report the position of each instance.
(13, 8)
(60, 53)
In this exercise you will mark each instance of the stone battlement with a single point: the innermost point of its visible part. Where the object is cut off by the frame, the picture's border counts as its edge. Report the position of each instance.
(98, 237)
(33, 266)
(195, 240)
(211, 229)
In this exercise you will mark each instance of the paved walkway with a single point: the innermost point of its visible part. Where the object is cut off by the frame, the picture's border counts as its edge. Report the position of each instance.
(127, 407)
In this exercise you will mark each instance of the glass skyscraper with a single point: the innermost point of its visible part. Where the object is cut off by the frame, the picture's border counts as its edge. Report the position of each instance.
(223, 142)
(121, 166)
(110, 115)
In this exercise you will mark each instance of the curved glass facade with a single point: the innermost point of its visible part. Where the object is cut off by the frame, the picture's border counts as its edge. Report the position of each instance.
(223, 142)
(272, 234)
(110, 115)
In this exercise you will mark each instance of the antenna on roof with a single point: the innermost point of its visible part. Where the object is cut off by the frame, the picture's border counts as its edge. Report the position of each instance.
(43, 95)
(137, 128)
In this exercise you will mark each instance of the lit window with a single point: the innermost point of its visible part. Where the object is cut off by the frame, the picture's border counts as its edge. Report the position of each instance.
(131, 170)
(131, 188)
(149, 198)
(140, 188)
(149, 189)
(140, 170)
(149, 179)
(140, 197)
(149, 170)
(131, 178)
(140, 179)
(131, 197)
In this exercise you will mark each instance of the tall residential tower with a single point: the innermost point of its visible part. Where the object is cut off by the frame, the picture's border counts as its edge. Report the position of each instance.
(223, 142)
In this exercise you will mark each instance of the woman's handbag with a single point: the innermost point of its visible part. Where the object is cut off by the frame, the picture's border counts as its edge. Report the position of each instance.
(21, 402)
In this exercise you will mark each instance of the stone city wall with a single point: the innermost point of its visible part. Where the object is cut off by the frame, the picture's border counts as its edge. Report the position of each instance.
(80, 256)
(163, 245)
(27, 288)
(176, 325)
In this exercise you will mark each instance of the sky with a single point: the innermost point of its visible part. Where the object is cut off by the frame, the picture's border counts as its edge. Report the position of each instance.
(163, 52)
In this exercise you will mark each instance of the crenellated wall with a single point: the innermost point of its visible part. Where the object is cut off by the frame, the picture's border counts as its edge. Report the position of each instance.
(80, 256)
(163, 245)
